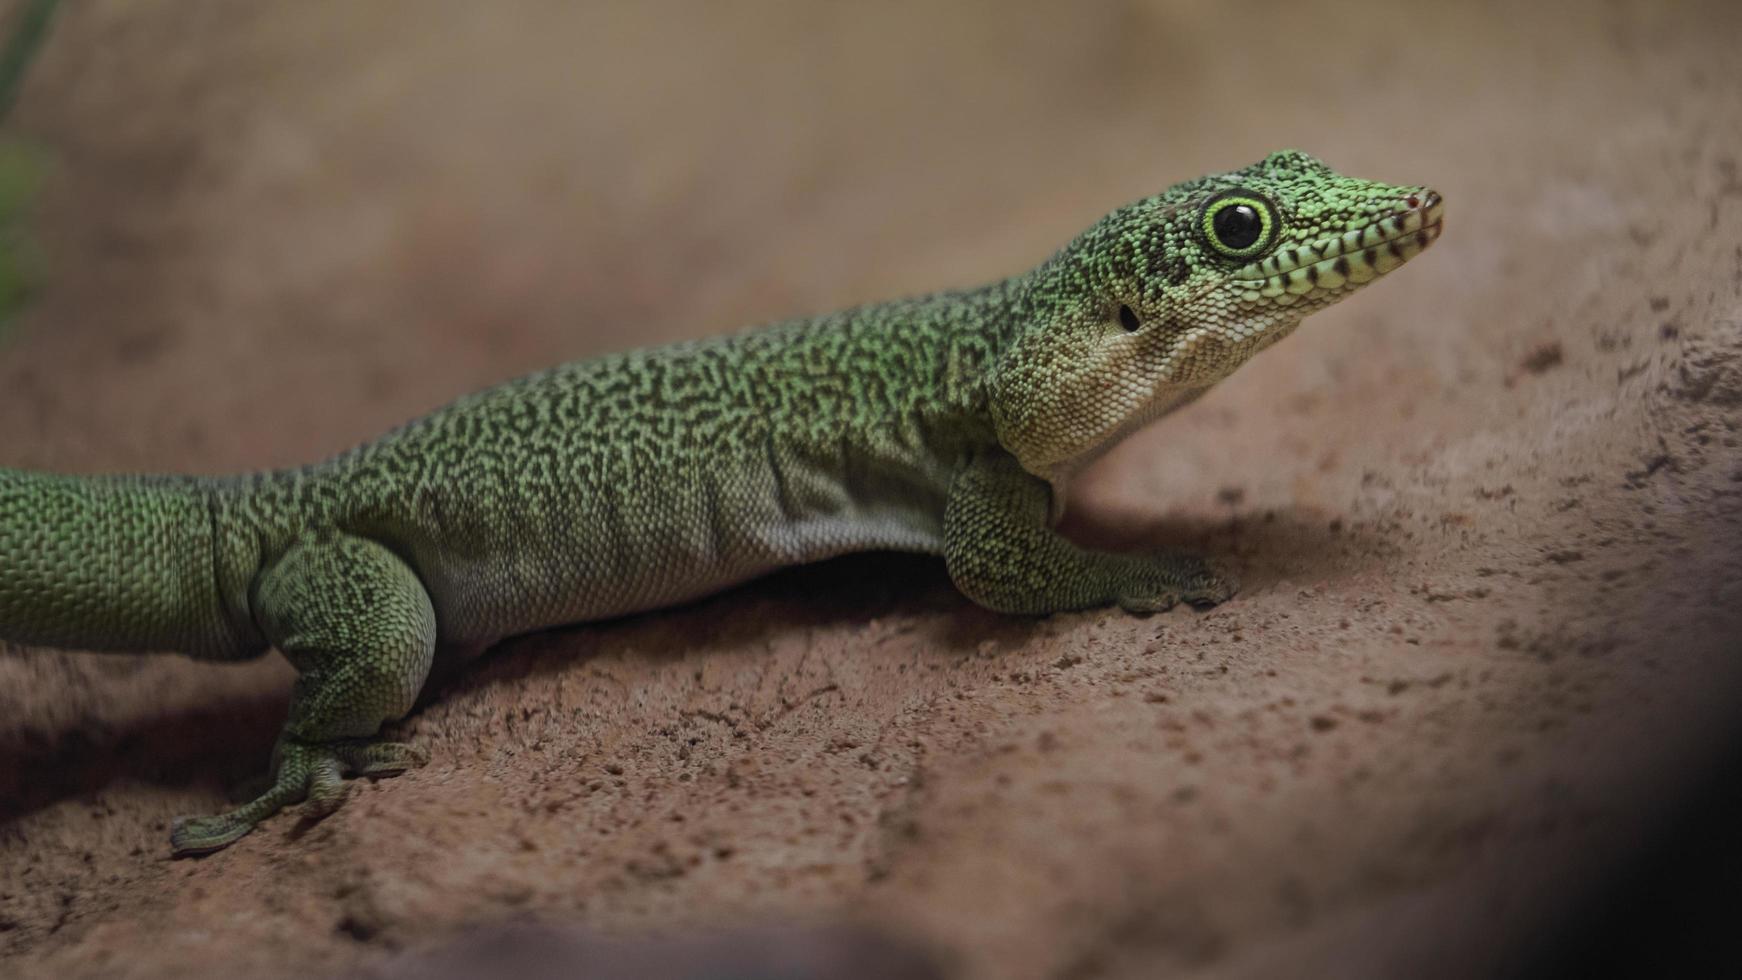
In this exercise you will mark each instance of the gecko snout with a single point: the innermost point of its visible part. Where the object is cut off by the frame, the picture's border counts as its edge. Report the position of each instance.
(1428, 203)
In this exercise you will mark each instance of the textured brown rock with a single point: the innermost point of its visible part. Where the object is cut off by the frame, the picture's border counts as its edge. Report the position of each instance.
(1420, 732)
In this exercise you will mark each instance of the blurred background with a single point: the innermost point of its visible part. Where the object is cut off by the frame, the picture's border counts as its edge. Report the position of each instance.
(1466, 717)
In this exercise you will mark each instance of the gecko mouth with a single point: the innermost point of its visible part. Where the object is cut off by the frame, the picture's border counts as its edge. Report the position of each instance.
(1346, 261)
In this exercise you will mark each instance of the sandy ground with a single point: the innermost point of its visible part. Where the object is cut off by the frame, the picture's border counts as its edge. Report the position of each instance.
(1486, 513)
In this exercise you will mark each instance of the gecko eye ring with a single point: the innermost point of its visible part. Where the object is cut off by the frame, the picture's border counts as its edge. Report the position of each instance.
(1240, 223)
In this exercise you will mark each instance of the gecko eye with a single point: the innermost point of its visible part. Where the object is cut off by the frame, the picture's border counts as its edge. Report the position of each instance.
(1128, 318)
(1237, 226)
(1239, 223)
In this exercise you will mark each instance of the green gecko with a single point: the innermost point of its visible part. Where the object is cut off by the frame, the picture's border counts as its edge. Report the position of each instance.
(947, 424)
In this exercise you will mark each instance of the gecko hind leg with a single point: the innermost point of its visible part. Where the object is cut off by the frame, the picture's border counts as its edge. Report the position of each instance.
(358, 626)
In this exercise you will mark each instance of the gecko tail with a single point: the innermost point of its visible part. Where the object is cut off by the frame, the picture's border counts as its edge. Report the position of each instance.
(107, 563)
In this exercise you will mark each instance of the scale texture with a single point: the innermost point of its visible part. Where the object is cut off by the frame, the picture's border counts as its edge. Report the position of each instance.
(947, 424)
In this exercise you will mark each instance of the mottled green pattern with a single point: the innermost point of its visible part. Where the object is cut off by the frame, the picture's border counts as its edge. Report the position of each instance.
(108, 563)
(1075, 380)
(944, 425)
(641, 479)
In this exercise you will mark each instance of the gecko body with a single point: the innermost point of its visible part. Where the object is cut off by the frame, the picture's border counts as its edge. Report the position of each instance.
(946, 425)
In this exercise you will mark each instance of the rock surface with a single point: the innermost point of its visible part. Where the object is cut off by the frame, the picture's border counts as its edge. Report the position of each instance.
(1486, 513)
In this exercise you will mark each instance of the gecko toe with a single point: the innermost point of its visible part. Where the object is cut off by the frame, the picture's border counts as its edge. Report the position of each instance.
(192, 836)
(326, 788)
(381, 758)
(1209, 589)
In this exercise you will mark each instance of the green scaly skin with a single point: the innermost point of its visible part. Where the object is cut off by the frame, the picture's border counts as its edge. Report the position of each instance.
(944, 425)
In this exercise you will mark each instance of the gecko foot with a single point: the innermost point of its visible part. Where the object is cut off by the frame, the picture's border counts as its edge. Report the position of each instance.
(303, 771)
(1208, 588)
(1167, 580)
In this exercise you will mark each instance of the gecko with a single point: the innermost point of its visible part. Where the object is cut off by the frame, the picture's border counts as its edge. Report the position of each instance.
(947, 424)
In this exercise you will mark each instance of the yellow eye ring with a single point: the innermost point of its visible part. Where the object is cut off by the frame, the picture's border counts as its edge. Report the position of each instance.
(1239, 223)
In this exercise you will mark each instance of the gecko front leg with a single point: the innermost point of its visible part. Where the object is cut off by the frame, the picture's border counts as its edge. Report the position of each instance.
(1002, 554)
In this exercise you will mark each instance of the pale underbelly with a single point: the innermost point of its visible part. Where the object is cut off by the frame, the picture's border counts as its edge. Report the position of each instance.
(668, 551)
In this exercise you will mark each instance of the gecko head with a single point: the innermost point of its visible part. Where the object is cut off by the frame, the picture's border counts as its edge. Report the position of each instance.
(1167, 296)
